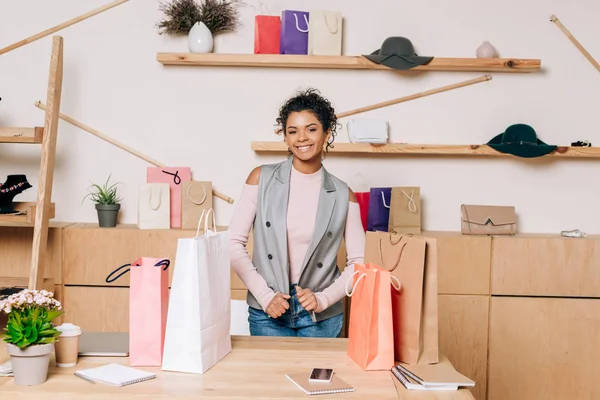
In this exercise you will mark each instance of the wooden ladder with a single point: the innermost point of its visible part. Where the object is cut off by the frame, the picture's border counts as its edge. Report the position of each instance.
(38, 214)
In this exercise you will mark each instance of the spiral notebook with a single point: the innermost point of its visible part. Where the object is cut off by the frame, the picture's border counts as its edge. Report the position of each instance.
(115, 374)
(335, 386)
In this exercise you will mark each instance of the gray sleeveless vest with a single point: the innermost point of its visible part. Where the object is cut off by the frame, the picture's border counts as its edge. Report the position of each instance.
(270, 255)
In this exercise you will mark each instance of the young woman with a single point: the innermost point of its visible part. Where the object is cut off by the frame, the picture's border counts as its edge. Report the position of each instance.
(299, 213)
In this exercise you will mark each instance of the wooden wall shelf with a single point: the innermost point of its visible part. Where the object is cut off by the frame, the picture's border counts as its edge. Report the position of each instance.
(344, 62)
(426, 149)
(21, 135)
(27, 216)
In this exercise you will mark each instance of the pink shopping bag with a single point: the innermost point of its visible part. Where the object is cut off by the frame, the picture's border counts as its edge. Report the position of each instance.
(148, 306)
(174, 176)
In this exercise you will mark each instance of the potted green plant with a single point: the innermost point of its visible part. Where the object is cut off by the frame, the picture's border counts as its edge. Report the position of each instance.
(30, 334)
(107, 202)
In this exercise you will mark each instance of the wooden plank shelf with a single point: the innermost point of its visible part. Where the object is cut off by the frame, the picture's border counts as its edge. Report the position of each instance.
(401, 149)
(21, 135)
(345, 62)
(26, 216)
(20, 282)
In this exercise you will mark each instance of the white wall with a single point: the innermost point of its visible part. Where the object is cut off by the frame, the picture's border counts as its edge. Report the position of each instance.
(206, 117)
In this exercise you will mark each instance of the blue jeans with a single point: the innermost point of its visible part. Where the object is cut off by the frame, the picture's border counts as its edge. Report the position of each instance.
(296, 321)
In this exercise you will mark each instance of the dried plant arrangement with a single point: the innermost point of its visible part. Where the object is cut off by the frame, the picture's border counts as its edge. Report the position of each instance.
(219, 16)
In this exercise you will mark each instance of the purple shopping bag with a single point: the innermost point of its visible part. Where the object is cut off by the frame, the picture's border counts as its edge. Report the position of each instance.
(379, 209)
(294, 32)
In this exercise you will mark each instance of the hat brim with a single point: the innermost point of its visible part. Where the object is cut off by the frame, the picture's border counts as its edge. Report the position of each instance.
(524, 150)
(397, 62)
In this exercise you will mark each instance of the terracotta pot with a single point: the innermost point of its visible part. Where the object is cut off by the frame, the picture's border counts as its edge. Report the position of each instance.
(30, 365)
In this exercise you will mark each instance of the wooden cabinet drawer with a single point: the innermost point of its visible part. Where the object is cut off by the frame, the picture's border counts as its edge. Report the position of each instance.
(104, 309)
(463, 263)
(544, 348)
(536, 265)
(97, 309)
(91, 253)
(463, 336)
(15, 247)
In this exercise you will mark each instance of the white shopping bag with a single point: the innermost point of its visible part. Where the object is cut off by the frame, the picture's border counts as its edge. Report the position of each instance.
(199, 317)
(325, 33)
(154, 206)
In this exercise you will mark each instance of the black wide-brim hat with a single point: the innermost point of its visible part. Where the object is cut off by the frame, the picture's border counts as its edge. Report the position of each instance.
(397, 53)
(520, 140)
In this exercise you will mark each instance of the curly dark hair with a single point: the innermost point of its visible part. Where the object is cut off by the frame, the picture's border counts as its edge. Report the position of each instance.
(310, 100)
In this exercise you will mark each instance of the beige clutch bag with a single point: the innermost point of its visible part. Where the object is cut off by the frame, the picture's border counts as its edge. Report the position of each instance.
(488, 220)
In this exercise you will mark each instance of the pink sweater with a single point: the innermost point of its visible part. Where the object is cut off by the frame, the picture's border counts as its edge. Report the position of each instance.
(302, 210)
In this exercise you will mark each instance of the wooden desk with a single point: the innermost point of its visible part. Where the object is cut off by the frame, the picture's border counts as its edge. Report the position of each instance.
(254, 369)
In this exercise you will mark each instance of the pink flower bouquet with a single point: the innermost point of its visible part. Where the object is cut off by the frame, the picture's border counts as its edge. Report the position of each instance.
(30, 314)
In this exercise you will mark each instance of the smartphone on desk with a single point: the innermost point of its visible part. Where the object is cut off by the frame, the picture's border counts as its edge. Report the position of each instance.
(321, 375)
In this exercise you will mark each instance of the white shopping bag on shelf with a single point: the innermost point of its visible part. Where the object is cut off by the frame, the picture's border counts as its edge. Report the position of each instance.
(154, 206)
(198, 322)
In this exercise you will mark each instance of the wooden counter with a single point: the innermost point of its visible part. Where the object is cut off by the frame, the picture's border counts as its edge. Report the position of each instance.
(254, 369)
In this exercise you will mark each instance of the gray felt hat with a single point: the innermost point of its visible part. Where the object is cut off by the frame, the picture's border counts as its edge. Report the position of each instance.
(397, 53)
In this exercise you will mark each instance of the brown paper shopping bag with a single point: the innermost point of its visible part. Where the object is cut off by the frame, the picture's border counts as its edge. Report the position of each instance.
(405, 210)
(196, 197)
(413, 260)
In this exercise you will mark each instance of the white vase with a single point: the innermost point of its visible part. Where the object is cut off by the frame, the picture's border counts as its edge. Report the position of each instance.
(486, 50)
(200, 39)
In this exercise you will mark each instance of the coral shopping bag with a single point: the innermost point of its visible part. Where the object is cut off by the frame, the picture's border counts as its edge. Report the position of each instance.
(370, 329)
(199, 318)
(267, 34)
(294, 32)
(174, 176)
(148, 305)
(413, 260)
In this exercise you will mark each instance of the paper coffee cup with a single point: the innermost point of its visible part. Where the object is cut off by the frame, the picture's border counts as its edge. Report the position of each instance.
(67, 347)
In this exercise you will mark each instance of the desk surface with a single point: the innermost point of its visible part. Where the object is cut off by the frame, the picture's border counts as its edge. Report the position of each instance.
(255, 369)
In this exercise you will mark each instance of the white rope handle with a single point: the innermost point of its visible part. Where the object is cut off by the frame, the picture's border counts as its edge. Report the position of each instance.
(355, 285)
(412, 206)
(337, 25)
(159, 199)
(383, 198)
(200, 223)
(189, 196)
(263, 7)
(298, 26)
(393, 278)
(214, 223)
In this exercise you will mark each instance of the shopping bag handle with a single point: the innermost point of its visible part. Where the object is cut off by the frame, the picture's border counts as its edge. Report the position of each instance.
(355, 284)
(206, 211)
(198, 203)
(159, 199)
(162, 263)
(393, 279)
(331, 30)
(298, 26)
(399, 254)
(412, 207)
(176, 177)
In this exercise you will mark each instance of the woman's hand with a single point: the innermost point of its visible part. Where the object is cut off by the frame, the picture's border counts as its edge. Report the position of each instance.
(307, 299)
(278, 305)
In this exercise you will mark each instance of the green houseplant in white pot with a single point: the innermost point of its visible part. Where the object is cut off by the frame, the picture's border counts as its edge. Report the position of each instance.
(30, 334)
(107, 203)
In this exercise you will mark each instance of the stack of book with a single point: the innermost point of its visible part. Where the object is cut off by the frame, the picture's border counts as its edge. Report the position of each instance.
(440, 376)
